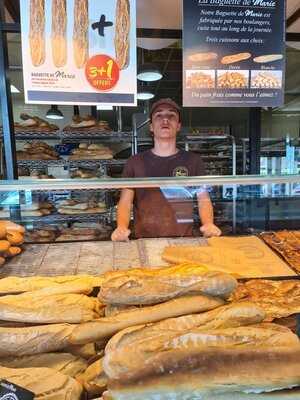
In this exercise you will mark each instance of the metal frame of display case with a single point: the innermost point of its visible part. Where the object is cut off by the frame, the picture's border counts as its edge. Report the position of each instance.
(106, 184)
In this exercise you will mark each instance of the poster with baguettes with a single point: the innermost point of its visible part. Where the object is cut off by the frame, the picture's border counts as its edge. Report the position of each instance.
(233, 53)
(79, 51)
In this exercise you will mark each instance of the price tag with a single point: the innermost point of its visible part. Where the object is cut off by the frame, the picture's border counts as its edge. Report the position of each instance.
(10, 391)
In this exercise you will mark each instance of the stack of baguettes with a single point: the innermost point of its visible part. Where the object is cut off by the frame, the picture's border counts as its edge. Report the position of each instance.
(168, 333)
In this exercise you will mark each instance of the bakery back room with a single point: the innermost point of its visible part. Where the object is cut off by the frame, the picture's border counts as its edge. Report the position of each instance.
(149, 199)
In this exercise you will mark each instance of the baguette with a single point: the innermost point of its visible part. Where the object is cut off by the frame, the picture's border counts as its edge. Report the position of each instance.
(94, 379)
(122, 33)
(45, 383)
(129, 290)
(51, 309)
(108, 326)
(233, 58)
(126, 360)
(197, 373)
(65, 363)
(37, 32)
(202, 57)
(54, 284)
(59, 31)
(34, 339)
(81, 33)
(268, 58)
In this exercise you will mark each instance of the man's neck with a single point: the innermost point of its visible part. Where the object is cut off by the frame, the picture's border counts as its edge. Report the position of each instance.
(164, 149)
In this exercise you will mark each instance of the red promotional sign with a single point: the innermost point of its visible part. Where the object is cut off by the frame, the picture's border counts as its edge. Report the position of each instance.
(102, 72)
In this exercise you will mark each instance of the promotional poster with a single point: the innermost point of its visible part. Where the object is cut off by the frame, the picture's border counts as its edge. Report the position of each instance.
(79, 51)
(233, 53)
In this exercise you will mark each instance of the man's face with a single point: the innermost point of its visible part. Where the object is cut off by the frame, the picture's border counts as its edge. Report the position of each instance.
(165, 122)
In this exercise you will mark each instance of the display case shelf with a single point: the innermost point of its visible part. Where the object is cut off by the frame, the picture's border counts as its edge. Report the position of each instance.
(67, 163)
(110, 136)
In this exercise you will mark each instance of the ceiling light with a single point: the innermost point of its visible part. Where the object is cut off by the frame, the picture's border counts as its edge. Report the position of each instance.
(13, 89)
(145, 96)
(54, 113)
(149, 73)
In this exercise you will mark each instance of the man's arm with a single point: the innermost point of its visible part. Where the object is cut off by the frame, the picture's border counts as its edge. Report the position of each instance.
(206, 214)
(121, 233)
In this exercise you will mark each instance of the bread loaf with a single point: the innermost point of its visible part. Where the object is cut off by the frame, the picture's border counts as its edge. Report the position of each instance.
(122, 33)
(37, 32)
(14, 238)
(45, 383)
(146, 289)
(108, 326)
(11, 226)
(125, 360)
(233, 58)
(59, 29)
(227, 316)
(86, 351)
(80, 32)
(53, 284)
(93, 379)
(197, 373)
(65, 363)
(34, 339)
(48, 309)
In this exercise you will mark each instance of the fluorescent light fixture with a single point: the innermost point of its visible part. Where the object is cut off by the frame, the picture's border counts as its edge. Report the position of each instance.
(104, 107)
(13, 89)
(54, 113)
(149, 73)
(145, 96)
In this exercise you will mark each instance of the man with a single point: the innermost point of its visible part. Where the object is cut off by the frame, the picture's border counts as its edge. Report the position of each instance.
(154, 214)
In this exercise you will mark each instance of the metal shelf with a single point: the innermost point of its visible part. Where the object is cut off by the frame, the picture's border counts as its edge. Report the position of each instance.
(60, 218)
(110, 136)
(68, 163)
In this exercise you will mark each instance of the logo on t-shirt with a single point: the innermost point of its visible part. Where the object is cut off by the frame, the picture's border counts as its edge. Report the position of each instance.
(181, 171)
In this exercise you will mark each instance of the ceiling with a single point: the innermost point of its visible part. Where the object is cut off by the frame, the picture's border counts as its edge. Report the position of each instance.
(166, 14)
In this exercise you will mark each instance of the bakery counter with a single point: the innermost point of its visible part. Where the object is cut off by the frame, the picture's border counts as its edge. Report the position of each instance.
(246, 256)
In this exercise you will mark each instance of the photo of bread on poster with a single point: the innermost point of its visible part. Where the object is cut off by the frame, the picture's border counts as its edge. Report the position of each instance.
(79, 51)
(81, 32)
(59, 31)
(37, 32)
(122, 31)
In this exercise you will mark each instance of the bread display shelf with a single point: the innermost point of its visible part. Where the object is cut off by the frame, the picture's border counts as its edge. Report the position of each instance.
(60, 218)
(76, 134)
(68, 163)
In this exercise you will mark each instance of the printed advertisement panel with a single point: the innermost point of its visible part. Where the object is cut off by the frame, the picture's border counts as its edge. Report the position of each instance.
(79, 51)
(233, 53)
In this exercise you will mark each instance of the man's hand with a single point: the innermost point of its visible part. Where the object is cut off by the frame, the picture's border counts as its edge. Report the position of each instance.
(120, 235)
(210, 230)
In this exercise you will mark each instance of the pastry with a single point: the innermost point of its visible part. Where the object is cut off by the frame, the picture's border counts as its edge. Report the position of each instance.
(202, 57)
(268, 58)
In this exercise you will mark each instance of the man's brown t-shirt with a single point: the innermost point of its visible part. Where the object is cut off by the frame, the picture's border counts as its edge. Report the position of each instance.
(155, 213)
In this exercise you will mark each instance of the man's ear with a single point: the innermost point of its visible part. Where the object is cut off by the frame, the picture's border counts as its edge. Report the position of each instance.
(178, 126)
(151, 128)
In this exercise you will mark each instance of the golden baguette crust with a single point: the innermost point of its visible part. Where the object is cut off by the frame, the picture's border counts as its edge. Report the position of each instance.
(126, 360)
(108, 326)
(59, 31)
(35, 307)
(50, 284)
(122, 32)
(34, 339)
(81, 33)
(37, 32)
(233, 58)
(137, 290)
(65, 363)
(215, 371)
(137, 393)
(45, 383)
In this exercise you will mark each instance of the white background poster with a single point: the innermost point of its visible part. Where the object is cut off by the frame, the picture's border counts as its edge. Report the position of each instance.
(79, 51)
